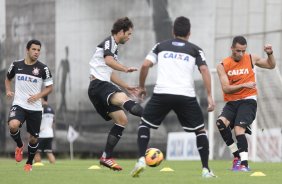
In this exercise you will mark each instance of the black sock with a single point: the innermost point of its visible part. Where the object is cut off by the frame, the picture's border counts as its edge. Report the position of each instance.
(32, 148)
(242, 144)
(225, 132)
(203, 148)
(236, 154)
(113, 138)
(133, 107)
(143, 139)
(17, 138)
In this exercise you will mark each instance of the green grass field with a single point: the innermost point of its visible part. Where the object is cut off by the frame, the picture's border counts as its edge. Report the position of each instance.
(188, 172)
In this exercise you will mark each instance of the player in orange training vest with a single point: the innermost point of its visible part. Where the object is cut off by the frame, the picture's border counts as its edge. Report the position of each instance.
(237, 78)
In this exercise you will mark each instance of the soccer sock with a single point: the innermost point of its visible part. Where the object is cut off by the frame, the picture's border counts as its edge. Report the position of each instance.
(32, 148)
(234, 149)
(203, 147)
(243, 148)
(143, 139)
(17, 138)
(113, 138)
(225, 132)
(133, 107)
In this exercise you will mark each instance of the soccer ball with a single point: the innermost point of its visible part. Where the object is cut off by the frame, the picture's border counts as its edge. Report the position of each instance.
(153, 157)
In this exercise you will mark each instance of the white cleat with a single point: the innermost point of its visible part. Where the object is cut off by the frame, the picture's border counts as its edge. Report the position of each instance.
(139, 167)
(207, 174)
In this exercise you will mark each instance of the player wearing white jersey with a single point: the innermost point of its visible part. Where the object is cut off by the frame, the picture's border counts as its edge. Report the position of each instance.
(46, 133)
(174, 90)
(108, 99)
(29, 74)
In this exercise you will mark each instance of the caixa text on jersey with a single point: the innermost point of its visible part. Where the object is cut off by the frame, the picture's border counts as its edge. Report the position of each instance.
(26, 78)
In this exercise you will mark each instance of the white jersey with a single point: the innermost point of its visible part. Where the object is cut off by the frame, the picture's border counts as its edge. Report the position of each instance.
(176, 61)
(98, 67)
(46, 128)
(28, 81)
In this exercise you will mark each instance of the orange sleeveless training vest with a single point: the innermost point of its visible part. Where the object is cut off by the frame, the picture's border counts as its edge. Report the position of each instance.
(238, 73)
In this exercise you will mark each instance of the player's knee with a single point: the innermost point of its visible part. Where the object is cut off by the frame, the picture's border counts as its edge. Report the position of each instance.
(33, 140)
(123, 121)
(14, 125)
(220, 125)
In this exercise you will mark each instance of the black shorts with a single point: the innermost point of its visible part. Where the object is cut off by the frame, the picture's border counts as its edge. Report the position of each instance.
(45, 145)
(240, 113)
(186, 108)
(32, 119)
(100, 93)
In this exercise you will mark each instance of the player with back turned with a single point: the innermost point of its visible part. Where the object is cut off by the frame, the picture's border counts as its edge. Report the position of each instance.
(176, 59)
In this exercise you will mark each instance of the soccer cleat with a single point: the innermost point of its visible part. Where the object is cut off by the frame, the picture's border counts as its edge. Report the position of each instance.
(236, 164)
(244, 168)
(207, 174)
(19, 154)
(28, 167)
(110, 163)
(139, 167)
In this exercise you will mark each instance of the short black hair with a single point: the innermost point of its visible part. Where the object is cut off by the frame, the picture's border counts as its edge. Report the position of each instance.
(239, 39)
(181, 26)
(122, 24)
(30, 42)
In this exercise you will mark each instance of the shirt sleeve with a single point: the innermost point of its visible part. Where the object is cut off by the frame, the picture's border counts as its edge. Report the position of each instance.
(47, 77)
(200, 58)
(153, 54)
(11, 71)
(108, 48)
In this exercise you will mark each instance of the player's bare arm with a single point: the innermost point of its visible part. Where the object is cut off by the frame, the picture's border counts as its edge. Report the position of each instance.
(111, 62)
(226, 87)
(207, 82)
(47, 90)
(118, 81)
(9, 92)
(268, 62)
(142, 77)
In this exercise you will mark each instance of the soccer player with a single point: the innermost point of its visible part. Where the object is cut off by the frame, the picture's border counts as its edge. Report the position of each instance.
(237, 78)
(29, 74)
(108, 99)
(46, 133)
(174, 90)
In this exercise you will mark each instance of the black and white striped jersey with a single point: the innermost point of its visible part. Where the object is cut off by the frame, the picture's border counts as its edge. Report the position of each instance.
(176, 60)
(98, 67)
(28, 82)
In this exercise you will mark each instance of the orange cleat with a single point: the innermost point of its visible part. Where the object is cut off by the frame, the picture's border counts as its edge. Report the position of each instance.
(110, 163)
(28, 167)
(19, 154)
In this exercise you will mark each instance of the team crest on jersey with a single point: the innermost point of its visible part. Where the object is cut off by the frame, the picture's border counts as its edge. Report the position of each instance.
(35, 71)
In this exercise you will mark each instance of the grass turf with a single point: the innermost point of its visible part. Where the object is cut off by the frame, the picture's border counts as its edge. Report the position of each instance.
(188, 172)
